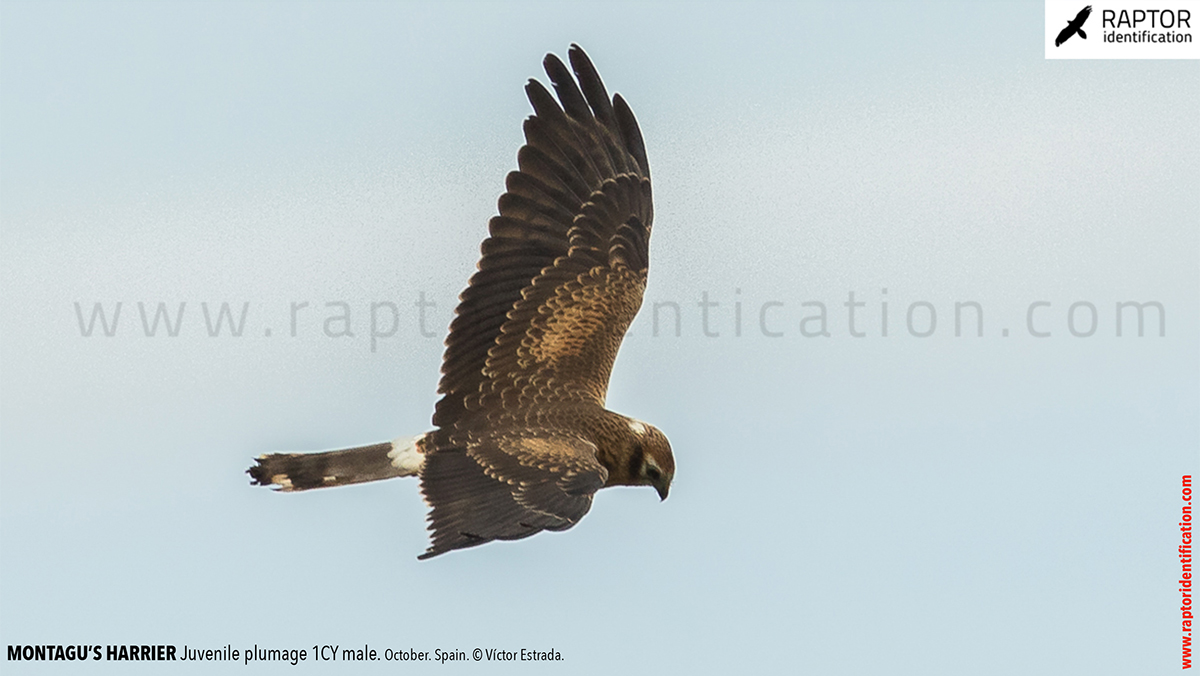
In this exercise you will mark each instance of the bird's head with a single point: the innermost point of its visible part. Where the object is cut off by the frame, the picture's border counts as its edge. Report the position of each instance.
(650, 460)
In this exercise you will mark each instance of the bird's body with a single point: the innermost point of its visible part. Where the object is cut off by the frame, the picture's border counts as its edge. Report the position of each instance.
(1074, 26)
(522, 440)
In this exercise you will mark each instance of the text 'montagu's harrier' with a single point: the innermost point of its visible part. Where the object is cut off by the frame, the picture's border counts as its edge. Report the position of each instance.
(521, 439)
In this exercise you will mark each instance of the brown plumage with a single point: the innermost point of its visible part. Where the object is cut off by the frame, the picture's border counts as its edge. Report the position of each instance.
(522, 440)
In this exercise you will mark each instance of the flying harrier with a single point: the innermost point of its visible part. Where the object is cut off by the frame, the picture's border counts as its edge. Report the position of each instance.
(521, 439)
(1074, 26)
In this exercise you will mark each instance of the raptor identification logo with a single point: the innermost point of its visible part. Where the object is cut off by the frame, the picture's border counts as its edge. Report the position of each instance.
(1124, 29)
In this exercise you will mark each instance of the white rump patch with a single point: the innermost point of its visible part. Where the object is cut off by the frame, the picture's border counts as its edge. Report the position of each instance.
(406, 455)
(638, 427)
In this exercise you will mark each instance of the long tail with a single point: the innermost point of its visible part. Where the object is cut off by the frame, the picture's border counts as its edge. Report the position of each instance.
(302, 471)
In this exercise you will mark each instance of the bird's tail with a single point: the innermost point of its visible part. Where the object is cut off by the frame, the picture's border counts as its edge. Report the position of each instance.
(301, 471)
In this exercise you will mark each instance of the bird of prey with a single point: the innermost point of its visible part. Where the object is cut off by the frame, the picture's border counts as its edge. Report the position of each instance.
(522, 439)
(1074, 26)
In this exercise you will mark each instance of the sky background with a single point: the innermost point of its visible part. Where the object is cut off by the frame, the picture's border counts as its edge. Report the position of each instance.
(843, 505)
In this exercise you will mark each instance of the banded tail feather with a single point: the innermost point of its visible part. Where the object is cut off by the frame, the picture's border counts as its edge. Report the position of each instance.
(303, 471)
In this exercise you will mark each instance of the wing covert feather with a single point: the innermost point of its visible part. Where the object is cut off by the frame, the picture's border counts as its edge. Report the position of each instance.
(571, 238)
(500, 486)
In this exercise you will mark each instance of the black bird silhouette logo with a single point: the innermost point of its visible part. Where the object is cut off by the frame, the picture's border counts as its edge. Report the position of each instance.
(1074, 26)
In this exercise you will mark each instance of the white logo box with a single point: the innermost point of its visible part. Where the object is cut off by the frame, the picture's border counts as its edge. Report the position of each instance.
(1128, 29)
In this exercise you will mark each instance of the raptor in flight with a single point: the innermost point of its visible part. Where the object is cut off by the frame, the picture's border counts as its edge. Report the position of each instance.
(521, 439)
(1074, 26)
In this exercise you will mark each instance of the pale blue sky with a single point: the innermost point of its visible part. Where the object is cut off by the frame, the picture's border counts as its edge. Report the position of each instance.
(884, 505)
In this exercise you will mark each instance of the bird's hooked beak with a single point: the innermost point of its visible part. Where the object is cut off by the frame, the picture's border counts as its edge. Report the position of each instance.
(663, 489)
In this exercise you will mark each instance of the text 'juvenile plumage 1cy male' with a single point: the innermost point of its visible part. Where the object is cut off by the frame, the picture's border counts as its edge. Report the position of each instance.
(521, 439)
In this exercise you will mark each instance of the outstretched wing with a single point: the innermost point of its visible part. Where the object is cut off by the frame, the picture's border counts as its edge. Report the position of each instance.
(507, 487)
(1064, 34)
(562, 272)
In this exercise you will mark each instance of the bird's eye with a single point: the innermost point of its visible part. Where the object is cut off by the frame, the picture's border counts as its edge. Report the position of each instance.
(653, 474)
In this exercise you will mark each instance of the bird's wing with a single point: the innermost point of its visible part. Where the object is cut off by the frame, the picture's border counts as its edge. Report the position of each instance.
(1064, 34)
(499, 486)
(562, 272)
(1082, 15)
